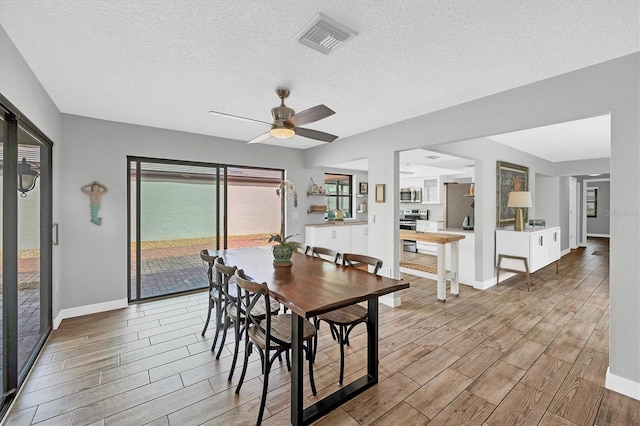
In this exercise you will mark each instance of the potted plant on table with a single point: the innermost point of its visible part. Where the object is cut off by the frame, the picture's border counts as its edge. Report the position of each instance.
(283, 250)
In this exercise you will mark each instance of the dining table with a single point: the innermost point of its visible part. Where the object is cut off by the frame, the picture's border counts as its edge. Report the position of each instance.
(309, 287)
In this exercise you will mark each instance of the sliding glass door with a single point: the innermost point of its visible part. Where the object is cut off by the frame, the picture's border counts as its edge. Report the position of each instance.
(26, 247)
(178, 208)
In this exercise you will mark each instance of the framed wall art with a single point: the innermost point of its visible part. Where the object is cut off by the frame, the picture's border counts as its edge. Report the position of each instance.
(509, 177)
(364, 188)
(380, 193)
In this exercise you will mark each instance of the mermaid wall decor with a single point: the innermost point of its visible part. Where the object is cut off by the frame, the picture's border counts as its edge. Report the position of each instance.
(95, 190)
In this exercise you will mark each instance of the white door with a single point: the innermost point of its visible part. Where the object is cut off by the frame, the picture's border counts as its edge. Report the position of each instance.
(573, 212)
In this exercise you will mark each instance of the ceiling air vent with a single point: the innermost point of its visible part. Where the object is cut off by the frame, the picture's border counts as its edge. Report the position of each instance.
(323, 34)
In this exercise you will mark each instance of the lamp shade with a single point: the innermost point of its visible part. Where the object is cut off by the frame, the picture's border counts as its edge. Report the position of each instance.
(519, 199)
(27, 176)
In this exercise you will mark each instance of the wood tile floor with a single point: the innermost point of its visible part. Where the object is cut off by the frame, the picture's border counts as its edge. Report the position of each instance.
(496, 357)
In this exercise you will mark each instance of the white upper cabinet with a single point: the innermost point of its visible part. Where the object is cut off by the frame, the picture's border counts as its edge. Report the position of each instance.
(431, 191)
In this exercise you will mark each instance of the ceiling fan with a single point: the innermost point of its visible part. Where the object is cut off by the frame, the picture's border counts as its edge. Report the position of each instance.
(286, 121)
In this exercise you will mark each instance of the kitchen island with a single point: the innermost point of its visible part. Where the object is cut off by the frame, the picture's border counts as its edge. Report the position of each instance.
(439, 273)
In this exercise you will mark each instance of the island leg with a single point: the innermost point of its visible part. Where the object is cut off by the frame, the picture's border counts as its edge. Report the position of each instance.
(441, 291)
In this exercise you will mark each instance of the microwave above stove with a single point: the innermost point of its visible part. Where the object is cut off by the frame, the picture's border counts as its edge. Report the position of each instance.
(410, 195)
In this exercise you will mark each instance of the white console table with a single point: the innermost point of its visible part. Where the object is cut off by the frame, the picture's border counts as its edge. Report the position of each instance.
(527, 251)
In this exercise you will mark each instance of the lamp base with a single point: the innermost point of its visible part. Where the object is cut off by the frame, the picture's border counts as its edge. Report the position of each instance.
(518, 225)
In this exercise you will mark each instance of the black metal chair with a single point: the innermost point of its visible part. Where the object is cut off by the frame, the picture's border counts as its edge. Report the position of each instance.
(343, 320)
(234, 313)
(215, 294)
(267, 333)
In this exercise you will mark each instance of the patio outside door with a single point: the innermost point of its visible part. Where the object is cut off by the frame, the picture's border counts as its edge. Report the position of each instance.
(178, 208)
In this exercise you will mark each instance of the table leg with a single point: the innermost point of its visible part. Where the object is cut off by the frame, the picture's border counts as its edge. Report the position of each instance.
(297, 361)
(455, 288)
(372, 339)
(441, 291)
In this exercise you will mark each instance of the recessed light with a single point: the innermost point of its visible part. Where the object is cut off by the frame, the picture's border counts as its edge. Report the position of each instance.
(595, 174)
(432, 157)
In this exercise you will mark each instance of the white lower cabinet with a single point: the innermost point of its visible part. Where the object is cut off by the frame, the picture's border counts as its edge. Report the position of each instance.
(343, 238)
(359, 239)
(540, 247)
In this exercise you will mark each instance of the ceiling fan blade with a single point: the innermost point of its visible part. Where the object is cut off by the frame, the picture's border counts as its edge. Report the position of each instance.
(260, 138)
(237, 117)
(315, 134)
(310, 115)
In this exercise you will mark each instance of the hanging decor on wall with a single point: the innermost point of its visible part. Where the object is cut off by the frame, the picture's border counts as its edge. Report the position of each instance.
(95, 190)
(380, 193)
(509, 178)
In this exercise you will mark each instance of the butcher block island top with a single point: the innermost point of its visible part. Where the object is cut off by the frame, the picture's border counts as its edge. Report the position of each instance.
(430, 237)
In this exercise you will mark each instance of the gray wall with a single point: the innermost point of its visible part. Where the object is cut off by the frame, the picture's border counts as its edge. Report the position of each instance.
(610, 87)
(599, 226)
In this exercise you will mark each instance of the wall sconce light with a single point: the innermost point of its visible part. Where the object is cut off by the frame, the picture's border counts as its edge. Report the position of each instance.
(27, 177)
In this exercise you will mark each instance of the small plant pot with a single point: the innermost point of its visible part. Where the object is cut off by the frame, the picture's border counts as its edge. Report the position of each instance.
(282, 255)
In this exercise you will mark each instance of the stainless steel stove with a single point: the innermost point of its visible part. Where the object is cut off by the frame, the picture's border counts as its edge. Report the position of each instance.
(408, 221)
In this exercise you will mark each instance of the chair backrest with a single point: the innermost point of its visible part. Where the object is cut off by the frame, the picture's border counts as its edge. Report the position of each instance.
(302, 248)
(208, 261)
(249, 294)
(224, 274)
(361, 261)
(322, 251)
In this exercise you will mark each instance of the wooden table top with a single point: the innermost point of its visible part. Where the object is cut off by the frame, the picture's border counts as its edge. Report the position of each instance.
(311, 286)
(430, 237)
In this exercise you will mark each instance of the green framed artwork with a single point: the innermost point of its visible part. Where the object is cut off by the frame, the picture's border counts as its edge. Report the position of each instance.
(509, 177)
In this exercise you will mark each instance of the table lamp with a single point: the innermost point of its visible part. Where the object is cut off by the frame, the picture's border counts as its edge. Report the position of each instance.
(519, 200)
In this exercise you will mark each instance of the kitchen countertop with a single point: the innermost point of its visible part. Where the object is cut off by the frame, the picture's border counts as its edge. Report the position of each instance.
(430, 237)
(338, 223)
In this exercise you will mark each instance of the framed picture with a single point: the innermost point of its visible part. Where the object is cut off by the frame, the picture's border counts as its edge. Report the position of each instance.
(592, 202)
(364, 188)
(380, 193)
(509, 177)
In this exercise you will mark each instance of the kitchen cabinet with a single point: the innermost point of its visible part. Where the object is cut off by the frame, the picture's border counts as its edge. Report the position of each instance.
(431, 191)
(345, 238)
(359, 239)
(539, 246)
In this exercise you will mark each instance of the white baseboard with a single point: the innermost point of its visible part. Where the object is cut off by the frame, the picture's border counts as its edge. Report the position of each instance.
(483, 285)
(565, 252)
(598, 235)
(88, 309)
(621, 385)
(390, 300)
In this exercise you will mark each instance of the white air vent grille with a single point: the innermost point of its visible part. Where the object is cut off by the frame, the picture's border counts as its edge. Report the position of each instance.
(323, 34)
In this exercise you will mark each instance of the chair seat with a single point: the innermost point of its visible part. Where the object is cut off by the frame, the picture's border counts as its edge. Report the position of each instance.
(345, 316)
(281, 331)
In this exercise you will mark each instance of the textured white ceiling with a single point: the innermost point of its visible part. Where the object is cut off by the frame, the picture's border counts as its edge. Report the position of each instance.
(164, 63)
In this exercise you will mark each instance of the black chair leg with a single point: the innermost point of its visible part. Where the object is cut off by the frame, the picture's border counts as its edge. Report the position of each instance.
(236, 327)
(206, 323)
(224, 336)
(265, 387)
(218, 323)
(244, 367)
(341, 343)
(311, 379)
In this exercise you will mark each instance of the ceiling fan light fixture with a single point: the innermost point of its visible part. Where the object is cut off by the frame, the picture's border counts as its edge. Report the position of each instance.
(282, 132)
